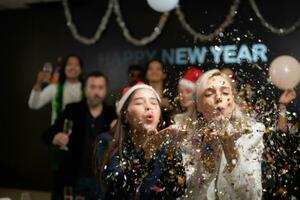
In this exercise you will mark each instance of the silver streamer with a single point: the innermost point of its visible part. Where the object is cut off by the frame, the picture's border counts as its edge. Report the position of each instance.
(113, 6)
(203, 37)
(279, 31)
(99, 31)
(145, 40)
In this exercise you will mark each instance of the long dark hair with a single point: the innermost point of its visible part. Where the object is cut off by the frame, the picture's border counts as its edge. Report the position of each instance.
(120, 133)
(62, 79)
(62, 74)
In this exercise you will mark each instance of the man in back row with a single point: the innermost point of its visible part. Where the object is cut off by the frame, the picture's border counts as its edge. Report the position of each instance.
(86, 119)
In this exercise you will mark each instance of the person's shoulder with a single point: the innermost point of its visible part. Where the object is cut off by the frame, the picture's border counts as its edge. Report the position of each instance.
(254, 135)
(52, 85)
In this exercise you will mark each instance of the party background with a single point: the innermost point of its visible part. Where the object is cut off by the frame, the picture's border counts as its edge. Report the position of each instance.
(33, 36)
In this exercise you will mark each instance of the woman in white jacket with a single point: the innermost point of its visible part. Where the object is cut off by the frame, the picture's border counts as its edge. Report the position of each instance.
(226, 161)
(67, 90)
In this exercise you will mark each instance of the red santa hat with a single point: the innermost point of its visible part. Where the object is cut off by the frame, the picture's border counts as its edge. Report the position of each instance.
(127, 91)
(190, 77)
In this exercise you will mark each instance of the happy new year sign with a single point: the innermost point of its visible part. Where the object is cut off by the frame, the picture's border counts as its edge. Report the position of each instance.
(228, 54)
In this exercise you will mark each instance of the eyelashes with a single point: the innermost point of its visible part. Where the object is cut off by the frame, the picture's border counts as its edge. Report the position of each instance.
(210, 94)
(142, 103)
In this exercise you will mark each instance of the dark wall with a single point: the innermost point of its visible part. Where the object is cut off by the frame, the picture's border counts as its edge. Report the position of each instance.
(30, 37)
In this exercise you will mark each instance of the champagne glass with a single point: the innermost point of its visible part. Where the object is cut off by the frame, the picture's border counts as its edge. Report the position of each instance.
(67, 129)
(47, 70)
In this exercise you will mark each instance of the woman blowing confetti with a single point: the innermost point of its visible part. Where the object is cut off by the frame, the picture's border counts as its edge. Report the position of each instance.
(227, 157)
(135, 163)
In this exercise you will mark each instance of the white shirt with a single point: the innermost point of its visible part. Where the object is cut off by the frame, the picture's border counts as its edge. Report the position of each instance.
(243, 183)
(71, 94)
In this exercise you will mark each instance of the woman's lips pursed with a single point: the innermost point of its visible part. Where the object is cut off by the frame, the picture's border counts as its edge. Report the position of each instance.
(149, 118)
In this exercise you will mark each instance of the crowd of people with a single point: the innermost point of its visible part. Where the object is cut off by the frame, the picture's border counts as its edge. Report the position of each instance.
(140, 142)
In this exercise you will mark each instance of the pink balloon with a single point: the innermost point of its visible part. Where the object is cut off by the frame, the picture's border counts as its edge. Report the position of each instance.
(285, 72)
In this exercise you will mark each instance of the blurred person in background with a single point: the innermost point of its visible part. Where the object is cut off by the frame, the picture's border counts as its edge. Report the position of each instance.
(67, 90)
(89, 118)
(156, 77)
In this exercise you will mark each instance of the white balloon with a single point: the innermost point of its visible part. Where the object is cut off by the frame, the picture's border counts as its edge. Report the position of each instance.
(285, 72)
(163, 5)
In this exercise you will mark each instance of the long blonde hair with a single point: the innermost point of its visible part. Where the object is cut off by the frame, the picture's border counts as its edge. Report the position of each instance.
(186, 119)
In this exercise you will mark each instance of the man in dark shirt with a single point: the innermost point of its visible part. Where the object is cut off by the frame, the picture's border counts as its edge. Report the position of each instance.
(89, 118)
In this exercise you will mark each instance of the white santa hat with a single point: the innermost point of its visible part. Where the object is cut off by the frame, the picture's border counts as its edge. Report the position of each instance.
(190, 78)
(127, 91)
